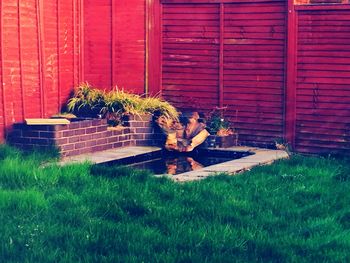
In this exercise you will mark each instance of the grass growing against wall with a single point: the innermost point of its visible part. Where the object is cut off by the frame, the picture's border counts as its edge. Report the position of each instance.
(292, 211)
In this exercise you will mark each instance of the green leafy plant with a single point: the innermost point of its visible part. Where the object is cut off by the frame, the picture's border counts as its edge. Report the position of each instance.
(159, 107)
(217, 124)
(86, 101)
(118, 103)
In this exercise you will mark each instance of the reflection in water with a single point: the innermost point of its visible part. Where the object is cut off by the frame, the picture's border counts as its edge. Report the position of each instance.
(181, 164)
(170, 164)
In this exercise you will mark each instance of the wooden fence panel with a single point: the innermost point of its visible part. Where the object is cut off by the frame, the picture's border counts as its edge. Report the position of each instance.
(254, 66)
(114, 44)
(231, 55)
(190, 55)
(37, 57)
(323, 81)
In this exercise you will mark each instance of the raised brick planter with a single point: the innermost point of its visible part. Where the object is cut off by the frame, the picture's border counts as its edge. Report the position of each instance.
(87, 136)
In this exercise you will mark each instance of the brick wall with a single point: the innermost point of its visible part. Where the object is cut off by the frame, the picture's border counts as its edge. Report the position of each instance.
(87, 136)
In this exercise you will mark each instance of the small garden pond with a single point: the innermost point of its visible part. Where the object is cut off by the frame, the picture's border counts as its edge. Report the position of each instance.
(165, 162)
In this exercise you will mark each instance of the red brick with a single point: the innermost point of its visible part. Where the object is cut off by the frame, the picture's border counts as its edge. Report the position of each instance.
(109, 146)
(144, 143)
(16, 133)
(28, 146)
(102, 141)
(134, 124)
(126, 143)
(118, 132)
(68, 133)
(113, 139)
(98, 148)
(61, 127)
(79, 145)
(58, 135)
(85, 124)
(97, 136)
(72, 153)
(39, 141)
(47, 134)
(85, 150)
(40, 127)
(67, 147)
(91, 130)
(61, 141)
(30, 133)
(21, 140)
(117, 145)
(87, 137)
(74, 139)
(138, 136)
(140, 117)
(149, 136)
(126, 131)
(80, 132)
(98, 122)
(101, 128)
(74, 125)
(144, 130)
(90, 143)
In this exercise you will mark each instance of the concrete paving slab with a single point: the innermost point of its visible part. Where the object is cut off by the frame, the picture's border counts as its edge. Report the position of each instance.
(110, 155)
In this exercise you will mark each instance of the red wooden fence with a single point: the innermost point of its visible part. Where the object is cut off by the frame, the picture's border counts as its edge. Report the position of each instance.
(226, 53)
(323, 79)
(114, 43)
(282, 70)
(38, 57)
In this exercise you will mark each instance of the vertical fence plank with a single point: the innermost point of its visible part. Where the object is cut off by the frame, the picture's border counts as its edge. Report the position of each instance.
(58, 6)
(113, 41)
(3, 125)
(74, 33)
(81, 42)
(23, 99)
(154, 47)
(147, 31)
(290, 94)
(41, 57)
(221, 56)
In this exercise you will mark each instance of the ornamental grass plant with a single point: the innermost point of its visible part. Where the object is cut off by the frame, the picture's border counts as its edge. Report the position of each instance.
(113, 105)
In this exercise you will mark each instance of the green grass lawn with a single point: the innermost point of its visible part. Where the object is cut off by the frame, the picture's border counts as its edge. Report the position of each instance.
(295, 210)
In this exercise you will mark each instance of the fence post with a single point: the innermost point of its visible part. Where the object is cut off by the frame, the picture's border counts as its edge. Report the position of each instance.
(153, 69)
(291, 75)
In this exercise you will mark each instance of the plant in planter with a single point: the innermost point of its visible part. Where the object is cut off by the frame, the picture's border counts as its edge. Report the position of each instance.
(222, 135)
(86, 102)
(116, 104)
(159, 108)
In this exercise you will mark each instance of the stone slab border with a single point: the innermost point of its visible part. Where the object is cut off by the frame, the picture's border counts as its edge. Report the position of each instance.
(259, 157)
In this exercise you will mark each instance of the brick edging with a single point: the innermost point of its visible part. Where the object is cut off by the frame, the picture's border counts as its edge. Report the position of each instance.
(87, 136)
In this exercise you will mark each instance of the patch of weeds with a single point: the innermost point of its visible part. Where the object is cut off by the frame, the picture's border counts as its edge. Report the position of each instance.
(342, 174)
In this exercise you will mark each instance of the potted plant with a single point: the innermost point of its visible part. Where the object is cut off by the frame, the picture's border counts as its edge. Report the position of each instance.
(222, 135)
